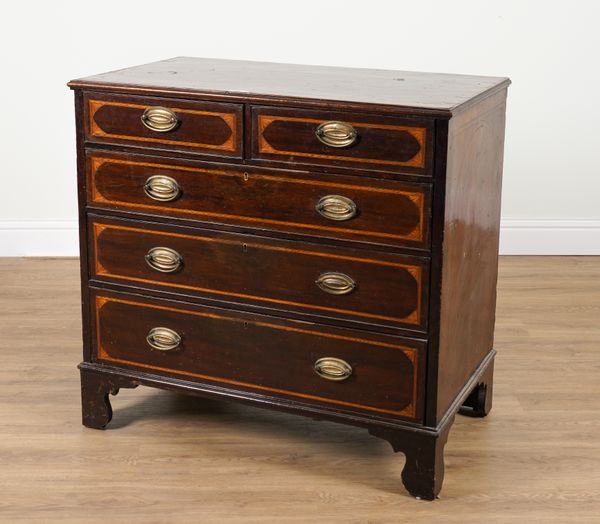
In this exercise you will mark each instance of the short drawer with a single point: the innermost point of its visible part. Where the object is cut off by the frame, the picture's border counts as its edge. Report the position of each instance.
(383, 143)
(342, 369)
(345, 284)
(379, 212)
(164, 123)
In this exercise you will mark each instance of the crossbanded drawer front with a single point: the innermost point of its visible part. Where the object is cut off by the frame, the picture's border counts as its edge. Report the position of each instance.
(338, 368)
(164, 123)
(345, 284)
(375, 142)
(378, 212)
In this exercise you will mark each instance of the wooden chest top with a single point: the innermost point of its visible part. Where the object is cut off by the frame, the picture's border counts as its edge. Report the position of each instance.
(426, 93)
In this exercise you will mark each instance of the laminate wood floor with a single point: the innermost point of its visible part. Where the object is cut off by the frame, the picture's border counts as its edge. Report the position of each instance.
(171, 458)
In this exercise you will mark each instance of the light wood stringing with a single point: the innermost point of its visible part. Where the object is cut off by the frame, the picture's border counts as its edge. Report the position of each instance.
(228, 118)
(418, 198)
(419, 133)
(411, 353)
(416, 271)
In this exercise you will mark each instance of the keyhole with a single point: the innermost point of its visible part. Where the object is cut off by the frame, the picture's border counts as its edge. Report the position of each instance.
(245, 248)
(245, 177)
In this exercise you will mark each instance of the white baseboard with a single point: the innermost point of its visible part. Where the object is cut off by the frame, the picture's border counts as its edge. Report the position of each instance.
(517, 237)
(545, 236)
(39, 239)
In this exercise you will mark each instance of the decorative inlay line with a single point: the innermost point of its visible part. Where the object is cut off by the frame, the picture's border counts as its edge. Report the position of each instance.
(228, 118)
(410, 353)
(416, 272)
(418, 198)
(261, 246)
(419, 133)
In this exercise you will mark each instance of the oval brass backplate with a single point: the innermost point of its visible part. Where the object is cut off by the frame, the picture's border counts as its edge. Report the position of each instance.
(331, 368)
(336, 134)
(162, 188)
(164, 259)
(336, 283)
(336, 207)
(163, 339)
(159, 119)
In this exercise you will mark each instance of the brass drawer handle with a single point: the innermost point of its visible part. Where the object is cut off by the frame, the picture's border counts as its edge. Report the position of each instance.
(159, 119)
(331, 368)
(163, 339)
(336, 134)
(162, 188)
(336, 207)
(336, 283)
(164, 259)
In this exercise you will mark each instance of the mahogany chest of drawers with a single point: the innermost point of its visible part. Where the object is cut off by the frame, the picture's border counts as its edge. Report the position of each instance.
(317, 240)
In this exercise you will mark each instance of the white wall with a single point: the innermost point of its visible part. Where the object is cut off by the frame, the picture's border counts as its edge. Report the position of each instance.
(549, 49)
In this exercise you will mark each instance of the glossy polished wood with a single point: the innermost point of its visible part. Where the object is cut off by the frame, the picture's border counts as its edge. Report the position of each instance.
(320, 86)
(535, 458)
(470, 248)
(261, 353)
(266, 199)
(282, 274)
(203, 127)
(383, 143)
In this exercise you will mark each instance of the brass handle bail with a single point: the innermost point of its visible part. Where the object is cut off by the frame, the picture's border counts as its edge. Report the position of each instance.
(159, 119)
(336, 207)
(162, 188)
(336, 283)
(334, 369)
(163, 339)
(336, 134)
(164, 259)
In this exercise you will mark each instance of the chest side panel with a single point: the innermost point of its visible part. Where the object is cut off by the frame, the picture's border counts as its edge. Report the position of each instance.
(470, 244)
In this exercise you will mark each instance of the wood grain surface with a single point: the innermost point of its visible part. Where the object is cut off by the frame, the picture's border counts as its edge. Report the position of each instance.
(388, 213)
(253, 270)
(261, 354)
(202, 126)
(384, 142)
(171, 458)
(470, 247)
(435, 93)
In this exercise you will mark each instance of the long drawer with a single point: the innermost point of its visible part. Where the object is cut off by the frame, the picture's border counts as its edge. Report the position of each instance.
(346, 284)
(347, 208)
(310, 363)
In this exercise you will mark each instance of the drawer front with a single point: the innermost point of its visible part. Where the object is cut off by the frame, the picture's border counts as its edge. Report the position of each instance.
(342, 369)
(344, 284)
(164, 123)
(342, 139)
(380, 212)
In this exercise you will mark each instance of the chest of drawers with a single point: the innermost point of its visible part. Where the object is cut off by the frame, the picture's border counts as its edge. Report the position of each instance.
(316, 240)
